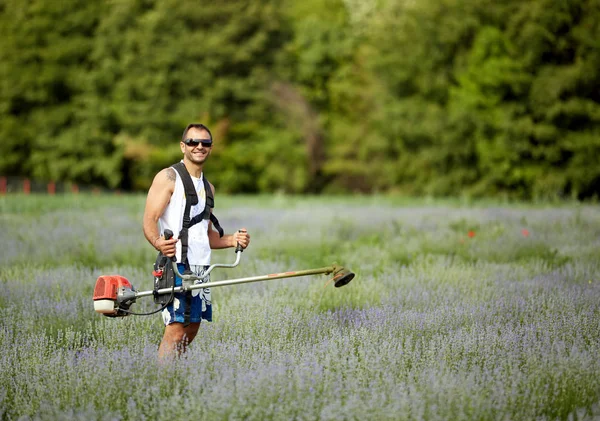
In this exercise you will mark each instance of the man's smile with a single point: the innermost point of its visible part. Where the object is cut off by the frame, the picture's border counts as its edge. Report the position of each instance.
(201, 152)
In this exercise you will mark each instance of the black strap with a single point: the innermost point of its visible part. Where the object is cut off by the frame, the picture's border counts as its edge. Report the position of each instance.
(207, 212)
(187, 311)
(216, 224)
(191, 199)
(188, 308)
(210, 199)
(196, 219)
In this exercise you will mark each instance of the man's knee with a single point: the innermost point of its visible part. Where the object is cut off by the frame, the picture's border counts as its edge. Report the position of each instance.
(178, 333)
(190, 331)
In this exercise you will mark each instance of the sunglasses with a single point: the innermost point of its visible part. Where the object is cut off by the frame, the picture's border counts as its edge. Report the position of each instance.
(207, 143)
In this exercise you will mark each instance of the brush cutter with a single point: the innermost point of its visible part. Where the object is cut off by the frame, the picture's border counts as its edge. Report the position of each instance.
(114, 294)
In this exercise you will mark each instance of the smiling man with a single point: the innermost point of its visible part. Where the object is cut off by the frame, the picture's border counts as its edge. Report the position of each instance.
(165, 209)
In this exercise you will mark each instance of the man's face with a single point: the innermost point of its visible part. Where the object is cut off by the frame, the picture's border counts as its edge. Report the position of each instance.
(196, 154)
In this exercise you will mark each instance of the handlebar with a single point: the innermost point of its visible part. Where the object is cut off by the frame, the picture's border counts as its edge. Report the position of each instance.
(194, 277)
(168, 234)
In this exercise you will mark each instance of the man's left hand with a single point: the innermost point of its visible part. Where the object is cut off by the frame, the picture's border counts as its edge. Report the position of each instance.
(242, 238)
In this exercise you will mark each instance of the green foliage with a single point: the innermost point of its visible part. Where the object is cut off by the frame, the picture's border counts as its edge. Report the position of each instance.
(433, 97)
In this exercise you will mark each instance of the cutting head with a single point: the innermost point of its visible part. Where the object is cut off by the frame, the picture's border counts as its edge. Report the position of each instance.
(342, 277)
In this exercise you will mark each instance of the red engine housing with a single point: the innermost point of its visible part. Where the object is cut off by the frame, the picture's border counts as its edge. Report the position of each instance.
(107, 286)
(106, 295)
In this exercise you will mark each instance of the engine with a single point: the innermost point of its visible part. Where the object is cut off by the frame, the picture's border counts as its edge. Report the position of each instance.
(113, 295)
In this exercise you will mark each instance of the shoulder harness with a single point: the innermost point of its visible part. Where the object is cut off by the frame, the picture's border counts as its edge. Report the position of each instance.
(191, 199)
(166, 278)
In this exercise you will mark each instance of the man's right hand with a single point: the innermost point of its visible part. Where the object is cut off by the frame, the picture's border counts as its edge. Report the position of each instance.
(166, 247)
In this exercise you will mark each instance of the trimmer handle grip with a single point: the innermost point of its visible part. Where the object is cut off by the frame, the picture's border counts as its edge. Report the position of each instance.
(238, 247)
(168, 234)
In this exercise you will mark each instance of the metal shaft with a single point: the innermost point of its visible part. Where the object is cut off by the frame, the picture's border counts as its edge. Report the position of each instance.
(324, 270)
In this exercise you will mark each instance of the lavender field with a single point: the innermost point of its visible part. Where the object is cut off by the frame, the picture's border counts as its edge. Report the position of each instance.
(458, 312)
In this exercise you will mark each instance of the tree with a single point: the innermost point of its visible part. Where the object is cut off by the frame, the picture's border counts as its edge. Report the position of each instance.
(46, 60)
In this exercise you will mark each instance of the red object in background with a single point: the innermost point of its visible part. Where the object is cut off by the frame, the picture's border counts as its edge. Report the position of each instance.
(74, 188)
(525, 232)
(471, 234)
(26, 186)
(51, 187)
(3, 185)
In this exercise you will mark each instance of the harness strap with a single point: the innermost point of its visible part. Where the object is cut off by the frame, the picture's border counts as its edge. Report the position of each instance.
(216, 224)
(191, 199)
(196, 219)
(210, 199)
(206, 213)
(187, 312)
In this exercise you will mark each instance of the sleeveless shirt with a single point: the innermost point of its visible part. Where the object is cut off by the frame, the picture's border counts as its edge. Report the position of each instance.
(172, 218)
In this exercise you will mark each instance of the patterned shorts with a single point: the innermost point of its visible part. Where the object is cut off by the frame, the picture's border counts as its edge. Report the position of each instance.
(201, 307)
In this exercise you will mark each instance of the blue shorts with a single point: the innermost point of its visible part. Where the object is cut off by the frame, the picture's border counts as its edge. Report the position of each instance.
(201, 306)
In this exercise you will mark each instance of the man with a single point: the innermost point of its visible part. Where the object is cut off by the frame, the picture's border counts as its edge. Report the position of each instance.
(165, 206)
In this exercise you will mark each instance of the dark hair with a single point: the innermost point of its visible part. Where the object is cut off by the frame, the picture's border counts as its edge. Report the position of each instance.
(195, 126)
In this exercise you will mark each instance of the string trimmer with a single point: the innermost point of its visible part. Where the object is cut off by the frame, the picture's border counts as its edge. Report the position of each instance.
(114, 294)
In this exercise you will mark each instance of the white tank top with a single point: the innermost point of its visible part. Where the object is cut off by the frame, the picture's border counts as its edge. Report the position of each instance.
(172, 218)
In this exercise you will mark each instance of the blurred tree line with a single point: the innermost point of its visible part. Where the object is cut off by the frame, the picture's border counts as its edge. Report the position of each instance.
(437, 97)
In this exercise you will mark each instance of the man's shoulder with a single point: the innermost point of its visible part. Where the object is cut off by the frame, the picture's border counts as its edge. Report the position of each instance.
(212, 187)
(165, 178)
(170, 173)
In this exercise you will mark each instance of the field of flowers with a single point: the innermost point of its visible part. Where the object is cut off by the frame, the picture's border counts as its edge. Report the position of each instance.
(458, 312)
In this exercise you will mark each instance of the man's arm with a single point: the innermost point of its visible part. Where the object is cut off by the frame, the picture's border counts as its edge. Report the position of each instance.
(228, 240)
(158, 198)
(241, 236)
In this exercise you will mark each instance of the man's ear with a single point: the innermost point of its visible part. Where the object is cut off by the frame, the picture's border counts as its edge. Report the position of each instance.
(182, 146)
